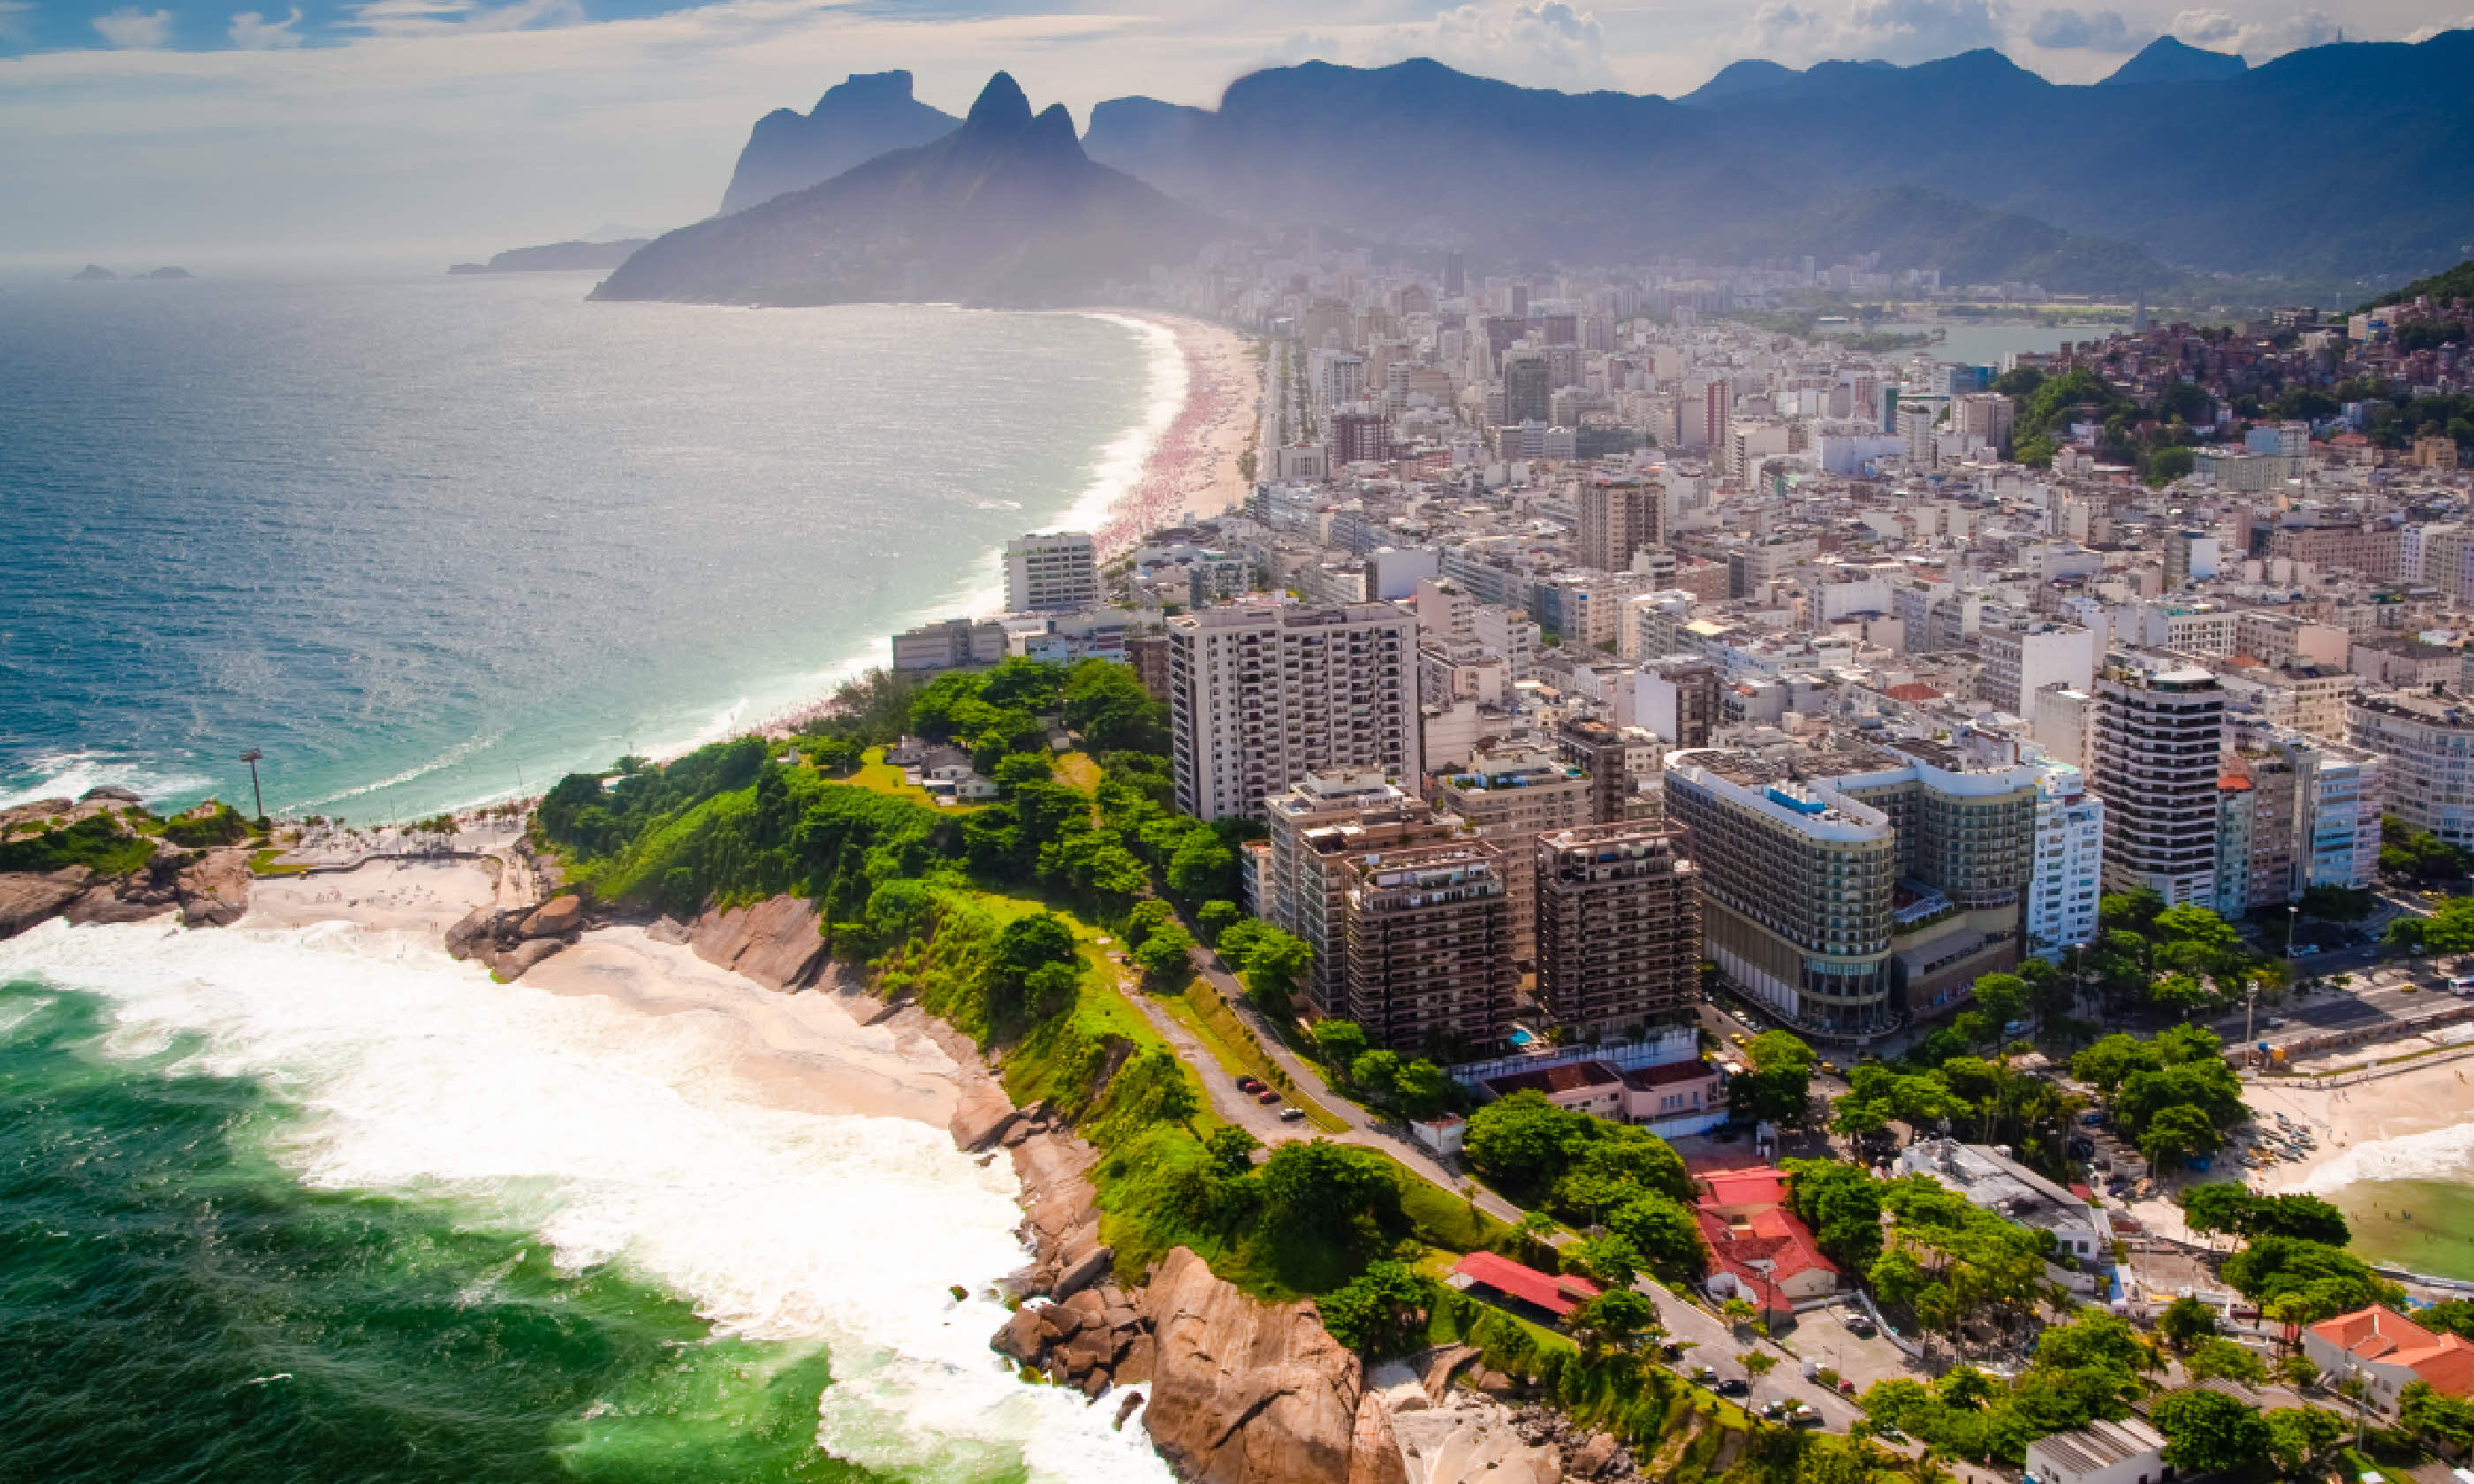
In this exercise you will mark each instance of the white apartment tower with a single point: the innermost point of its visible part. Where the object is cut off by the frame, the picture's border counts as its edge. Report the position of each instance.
(2070, 861)
(2159, 728)
(1058, 571)
(1260, 696)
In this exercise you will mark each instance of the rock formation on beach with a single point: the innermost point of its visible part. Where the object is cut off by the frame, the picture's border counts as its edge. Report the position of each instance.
(865, 115)
(1006, 211)
(206, 888)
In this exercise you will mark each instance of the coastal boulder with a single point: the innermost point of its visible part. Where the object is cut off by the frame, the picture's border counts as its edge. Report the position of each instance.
(1248, 1393)
(27, 898)
(213, 889)
(471, 932)
(1373, 1449)
(775, 943)
(512, 965)
(555, 918)
(103, 902)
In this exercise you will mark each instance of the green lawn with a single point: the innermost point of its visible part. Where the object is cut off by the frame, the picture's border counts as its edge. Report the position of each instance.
(877, 776)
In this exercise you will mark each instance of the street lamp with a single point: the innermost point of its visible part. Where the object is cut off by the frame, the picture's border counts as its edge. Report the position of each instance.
(255, 793)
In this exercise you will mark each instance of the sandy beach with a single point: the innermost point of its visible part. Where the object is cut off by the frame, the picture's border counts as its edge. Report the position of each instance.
(805, 1052)
(1193, 469)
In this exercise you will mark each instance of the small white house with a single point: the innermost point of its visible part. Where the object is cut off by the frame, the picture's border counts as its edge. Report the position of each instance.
(2128, 1451)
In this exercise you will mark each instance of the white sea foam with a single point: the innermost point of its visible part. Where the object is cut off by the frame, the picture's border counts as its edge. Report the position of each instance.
(68, 774)
(2437, 1154)
(622, 1136)
(1120, 467)
(438, 764)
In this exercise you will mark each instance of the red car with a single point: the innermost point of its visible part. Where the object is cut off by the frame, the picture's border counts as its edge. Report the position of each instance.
(1249, 1084)
(1266, 1097)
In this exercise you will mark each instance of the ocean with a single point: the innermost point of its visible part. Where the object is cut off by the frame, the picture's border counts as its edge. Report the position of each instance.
(318, 1203)
(431, 542)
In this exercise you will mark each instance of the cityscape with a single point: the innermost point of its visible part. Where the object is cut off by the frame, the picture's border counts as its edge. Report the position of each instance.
(1485, 745)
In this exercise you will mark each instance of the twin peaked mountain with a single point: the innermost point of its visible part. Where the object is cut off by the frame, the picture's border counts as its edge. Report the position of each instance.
(2351, 162)
(1006, 210)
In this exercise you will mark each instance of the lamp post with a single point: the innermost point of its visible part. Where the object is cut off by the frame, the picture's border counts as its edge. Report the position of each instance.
(256, 793)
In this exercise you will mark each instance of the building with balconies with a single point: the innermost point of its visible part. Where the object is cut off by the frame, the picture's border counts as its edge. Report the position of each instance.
(2159, 730)
(1260, 695)
(1619, 927)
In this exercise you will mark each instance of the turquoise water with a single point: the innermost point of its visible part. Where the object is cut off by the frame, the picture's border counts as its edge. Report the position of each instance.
(1972, 344)
(430, 542)
(322, 1204)
(178, 1307)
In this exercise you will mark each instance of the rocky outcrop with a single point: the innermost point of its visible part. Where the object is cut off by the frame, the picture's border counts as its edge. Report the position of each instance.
(214, 889)
(1091, 1341)
(1248, 1392)
(27, 899)
(775, 943)
(512, 940)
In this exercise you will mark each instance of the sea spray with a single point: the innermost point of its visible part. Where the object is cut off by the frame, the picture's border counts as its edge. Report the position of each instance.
(623, 1139)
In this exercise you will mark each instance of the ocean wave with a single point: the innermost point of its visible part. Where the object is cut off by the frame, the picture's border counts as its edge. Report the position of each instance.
(438, 764)
(1121, 463)
(68, 774)
(2437, 1154)
(626, 1138)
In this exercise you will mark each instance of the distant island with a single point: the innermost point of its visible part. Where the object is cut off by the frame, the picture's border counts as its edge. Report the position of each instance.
(555, 257)
(94, 273)
(169, 273)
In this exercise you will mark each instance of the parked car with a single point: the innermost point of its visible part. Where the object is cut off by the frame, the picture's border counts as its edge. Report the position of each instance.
(1266, 1097)
(1249, 1085)
(1292, 1114)
(2306, 950)
(2276, 1023)
(1734, 1386)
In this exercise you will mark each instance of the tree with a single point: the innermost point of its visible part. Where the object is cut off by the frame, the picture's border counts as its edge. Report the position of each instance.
(2330, 1278)
(2209, 1432)
(2298, 1370)
(1378, 1313)
(1275, 962)
(1609, 1260)
(1737, 1311)
(2220, 1208)
(2302, 1438)
(2177, 1133)
(1665, 1233)
(1340, 1043)
(2179, 995)
(2306, 1216)
(2111, 1061)
(1167, 957)
(1015, 769)
(1614, 1317)
(1376, 1072)
(2002, 996)
(1215, 918)
(1756, 1363)
(1201, 867)
(1231, 1150)
(1319, 1189)
(1524, 1142)
(1778, 1086)
(1422, 1089)
(2214, 1357)
(2443, 1419)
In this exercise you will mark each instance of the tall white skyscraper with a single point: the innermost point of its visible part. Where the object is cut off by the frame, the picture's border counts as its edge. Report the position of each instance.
(2159, 728)
(1057, 571)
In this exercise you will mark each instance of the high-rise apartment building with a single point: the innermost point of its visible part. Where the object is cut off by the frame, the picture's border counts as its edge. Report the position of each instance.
(2019, 663)
(1984, 415)
(1851, 890)
(1512, 795)
(1619, 516)
(1679, 699)
(1262, 695)
(1360, 437)
(1528, 386)
(1427, 934)
(1316, 826)
(1057, 571)
(2428, 742)
(1454, 280)
(2159, 728)
(1717, 413)
(1625, 768)
(1619, 927)
(2068, 874)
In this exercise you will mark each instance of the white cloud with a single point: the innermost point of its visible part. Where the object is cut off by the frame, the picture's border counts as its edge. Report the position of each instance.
(2426, 32)
(1540, 43)
(2089, 30)
(133, 29)
(252, 32)
(446, 17)
(2260, 39)
(1899, 31)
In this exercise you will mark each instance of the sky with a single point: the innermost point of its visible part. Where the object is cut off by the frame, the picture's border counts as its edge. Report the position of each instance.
(189, 130)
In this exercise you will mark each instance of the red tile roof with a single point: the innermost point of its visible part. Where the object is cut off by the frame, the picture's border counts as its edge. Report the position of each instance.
(1758, 1186)
(1568, 1077)
(1557, 1295)
(1912, 690)
(2382, 1335)
(1670, 1072)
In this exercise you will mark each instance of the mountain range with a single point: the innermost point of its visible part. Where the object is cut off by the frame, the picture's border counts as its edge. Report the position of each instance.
(2355, 158)
(869, 114)
(1005, 211)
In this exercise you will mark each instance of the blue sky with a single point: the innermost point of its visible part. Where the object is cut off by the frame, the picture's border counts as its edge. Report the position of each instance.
(240, 128)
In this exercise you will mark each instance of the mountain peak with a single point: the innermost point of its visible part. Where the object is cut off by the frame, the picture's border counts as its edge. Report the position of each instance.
(858, 119)
(893, 86)
(1000, 106)
(2169, 59)
(1751, 75)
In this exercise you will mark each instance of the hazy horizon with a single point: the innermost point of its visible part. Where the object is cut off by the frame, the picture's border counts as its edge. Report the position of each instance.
(452, 128)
